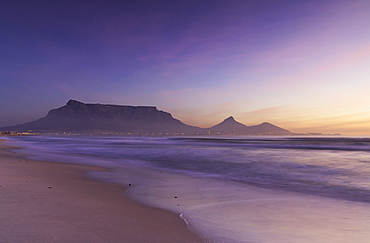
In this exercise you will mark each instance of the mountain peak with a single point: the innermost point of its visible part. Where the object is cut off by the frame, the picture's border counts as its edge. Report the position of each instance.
(229, 125)
(74, 103)
(230, 118)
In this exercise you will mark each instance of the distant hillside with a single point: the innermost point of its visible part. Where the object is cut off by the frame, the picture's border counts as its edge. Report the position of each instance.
(231, 127)
(267, 128)
(79, 118)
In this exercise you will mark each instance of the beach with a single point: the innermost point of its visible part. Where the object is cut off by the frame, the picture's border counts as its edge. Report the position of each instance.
(164, 189)
(56, 202)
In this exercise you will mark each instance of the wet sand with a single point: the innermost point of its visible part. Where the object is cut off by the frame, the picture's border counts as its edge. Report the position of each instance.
(55, 202)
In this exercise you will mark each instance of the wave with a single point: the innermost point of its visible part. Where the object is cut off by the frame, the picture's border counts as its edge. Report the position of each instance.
(335, 167)
(306, 143)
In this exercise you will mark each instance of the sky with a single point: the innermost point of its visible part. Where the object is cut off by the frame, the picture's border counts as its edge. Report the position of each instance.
(301, 65)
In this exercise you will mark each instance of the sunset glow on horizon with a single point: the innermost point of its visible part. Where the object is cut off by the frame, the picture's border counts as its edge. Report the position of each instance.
(301, 65)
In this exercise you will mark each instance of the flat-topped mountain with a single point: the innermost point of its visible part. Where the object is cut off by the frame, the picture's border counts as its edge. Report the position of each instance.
(77, 117)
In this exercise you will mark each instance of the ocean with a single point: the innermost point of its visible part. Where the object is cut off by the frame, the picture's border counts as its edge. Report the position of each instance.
(235, 188)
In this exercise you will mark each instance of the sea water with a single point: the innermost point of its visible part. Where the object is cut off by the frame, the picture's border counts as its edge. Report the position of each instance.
(235, 189)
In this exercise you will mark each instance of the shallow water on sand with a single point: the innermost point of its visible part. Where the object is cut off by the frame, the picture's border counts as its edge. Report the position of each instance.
(236, 189)
(224, 211)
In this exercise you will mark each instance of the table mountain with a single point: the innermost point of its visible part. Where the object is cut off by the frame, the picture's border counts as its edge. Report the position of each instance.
(77, 117)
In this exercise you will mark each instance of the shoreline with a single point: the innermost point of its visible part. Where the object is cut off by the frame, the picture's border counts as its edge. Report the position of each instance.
(58, 202)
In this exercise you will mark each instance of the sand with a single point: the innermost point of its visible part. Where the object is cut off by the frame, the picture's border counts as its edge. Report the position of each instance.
(55, 202)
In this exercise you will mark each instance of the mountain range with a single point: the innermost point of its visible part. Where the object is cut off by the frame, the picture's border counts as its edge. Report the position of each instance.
(230, 126)
(79, 118)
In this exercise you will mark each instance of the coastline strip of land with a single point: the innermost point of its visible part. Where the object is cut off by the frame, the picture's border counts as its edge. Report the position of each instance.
(55, 202)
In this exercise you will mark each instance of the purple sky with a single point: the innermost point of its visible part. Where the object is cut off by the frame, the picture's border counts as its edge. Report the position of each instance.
(302, 65)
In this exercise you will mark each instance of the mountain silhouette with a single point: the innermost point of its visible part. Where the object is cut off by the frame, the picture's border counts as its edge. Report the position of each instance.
(230, 126)
(80, 118)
